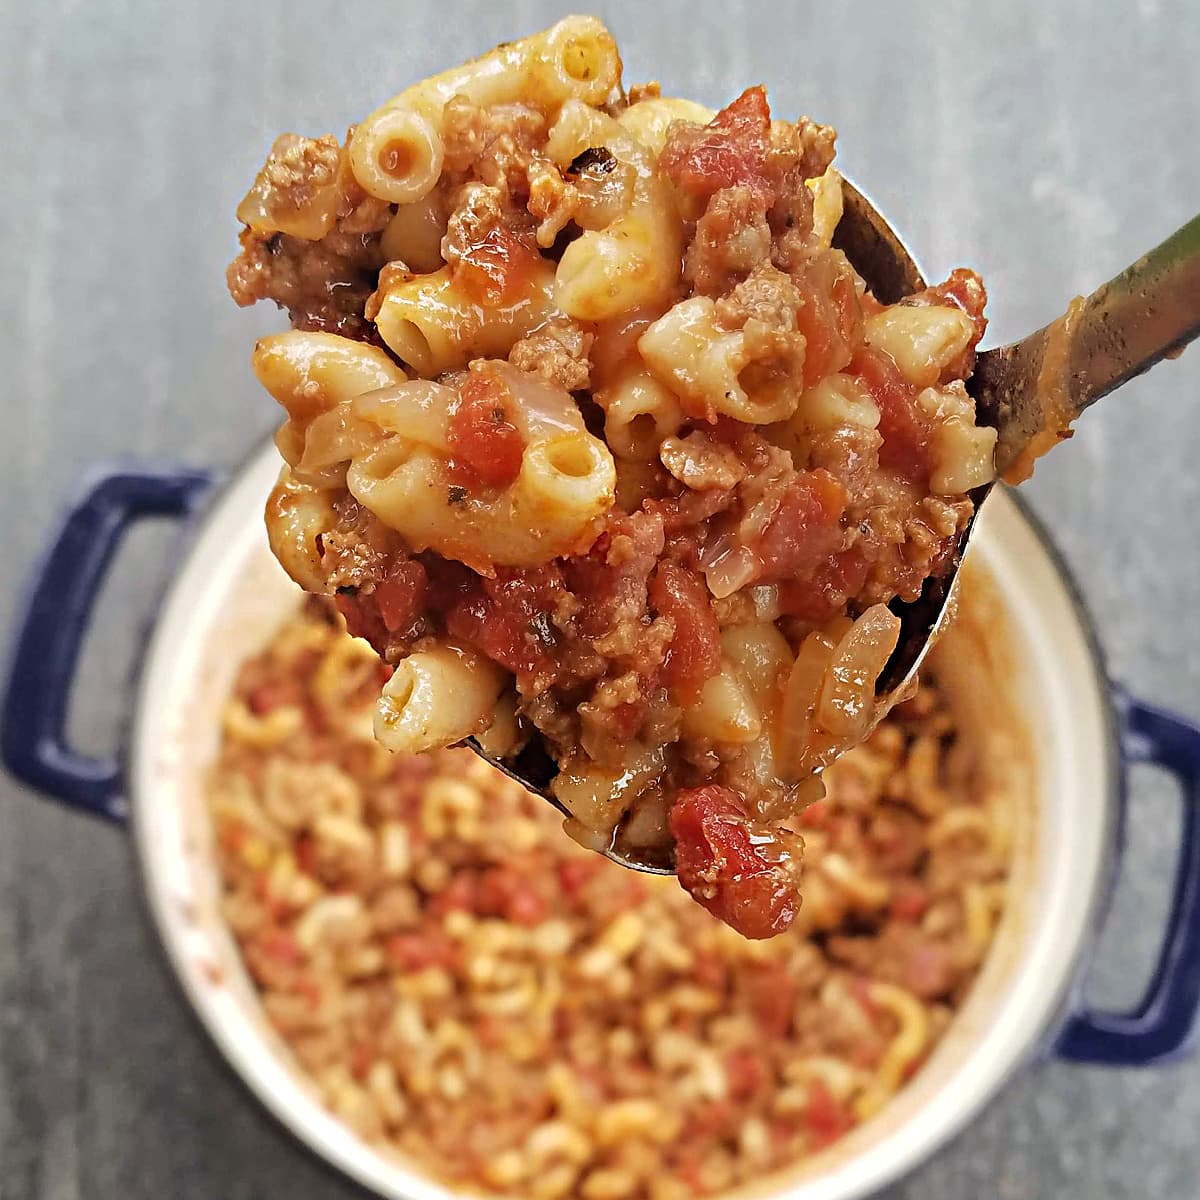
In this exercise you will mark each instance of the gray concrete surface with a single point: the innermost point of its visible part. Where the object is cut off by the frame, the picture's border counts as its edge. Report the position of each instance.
(1046, 143)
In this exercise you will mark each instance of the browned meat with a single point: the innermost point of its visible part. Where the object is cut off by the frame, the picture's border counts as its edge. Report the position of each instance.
(558, 352)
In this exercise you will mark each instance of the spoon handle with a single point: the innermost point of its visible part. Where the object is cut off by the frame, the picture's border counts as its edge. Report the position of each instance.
(1032, 390)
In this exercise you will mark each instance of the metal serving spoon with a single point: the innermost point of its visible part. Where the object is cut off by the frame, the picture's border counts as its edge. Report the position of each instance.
(1148, 312)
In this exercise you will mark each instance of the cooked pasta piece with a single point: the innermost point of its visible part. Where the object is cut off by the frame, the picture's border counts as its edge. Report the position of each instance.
(414, 234)
(581, 391)
(547, 503)
(298, 515)
(650, 120)
(725, 710)
(910, 1040)
(435, 325)
(310, 374)
(397, 152)
(634, 260)
(827, 205)
(702, 363)
(922, 341)
(597, 799)
(436, 698)
(639, 415)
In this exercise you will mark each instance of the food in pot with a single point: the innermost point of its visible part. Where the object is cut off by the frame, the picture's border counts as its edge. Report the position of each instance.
(470, 989)
(602, 444)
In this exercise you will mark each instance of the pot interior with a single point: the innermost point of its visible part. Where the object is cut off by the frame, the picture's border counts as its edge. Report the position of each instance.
(1018, 660)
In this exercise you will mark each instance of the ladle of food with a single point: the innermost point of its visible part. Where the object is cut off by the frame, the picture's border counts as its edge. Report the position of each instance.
(633, 441)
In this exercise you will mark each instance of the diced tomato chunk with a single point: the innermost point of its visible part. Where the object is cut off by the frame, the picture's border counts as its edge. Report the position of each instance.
(506, 892)
(361, 1057)
(481, 434)
(574, 873)
(746, 1073)
(280, 944)
(689, 1171)
(831, 316)
(305, 851)
(496, 269)
(822, 595)
(490, 1030)
(806, 529)
(909, 901)
(695, 651)
(509, 617)
(420, 950)
(457, 896)
(232, 835)
(709, 1118)
(772, 991)
(730, 150)
(361, 614)
(710, 970)
(728, 867)
(825, 1119)
(310, 990)
(905, 429)
(631, 894)
(449, 582)
(401, 596)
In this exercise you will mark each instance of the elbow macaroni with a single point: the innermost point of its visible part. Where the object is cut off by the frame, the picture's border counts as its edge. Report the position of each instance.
(827, 205)
(414, 234)
(297, 515)
(565, 484)
(726, 710)
(435, 698)
(922, 340)
(639, 413)
(597, 798)
(396, 153)
(702, 364)
(649, 120)
(311, 374)
(434, 326)
(909, 1042)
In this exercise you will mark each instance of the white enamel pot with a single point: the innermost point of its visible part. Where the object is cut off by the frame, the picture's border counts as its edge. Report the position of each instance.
(230, 595)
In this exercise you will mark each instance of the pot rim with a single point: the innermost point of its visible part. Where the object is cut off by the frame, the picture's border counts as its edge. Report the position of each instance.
(328, 1139)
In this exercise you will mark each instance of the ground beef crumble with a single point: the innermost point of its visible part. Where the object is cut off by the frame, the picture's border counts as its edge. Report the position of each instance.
(558, 352)
(323, 282)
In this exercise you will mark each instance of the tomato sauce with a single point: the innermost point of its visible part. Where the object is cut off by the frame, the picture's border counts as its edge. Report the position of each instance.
(486, 447)
(726, 866)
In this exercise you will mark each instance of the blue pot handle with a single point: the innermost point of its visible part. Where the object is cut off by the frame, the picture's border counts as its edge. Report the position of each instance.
(63, 590)
(1160, 1026)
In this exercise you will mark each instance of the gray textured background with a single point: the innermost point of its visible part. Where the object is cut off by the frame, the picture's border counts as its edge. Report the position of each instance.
(1045, 143)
